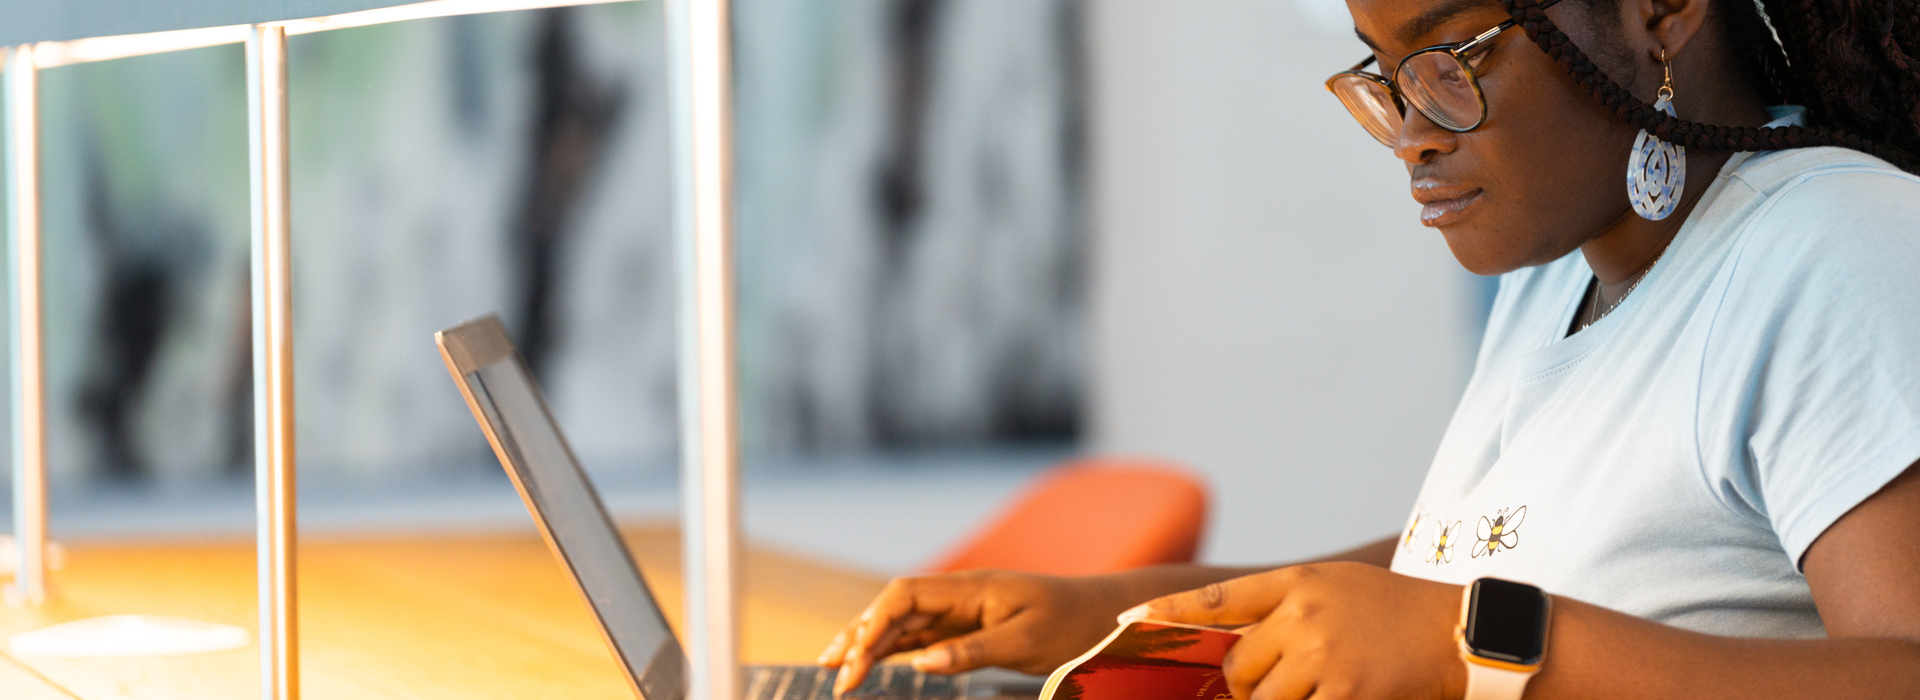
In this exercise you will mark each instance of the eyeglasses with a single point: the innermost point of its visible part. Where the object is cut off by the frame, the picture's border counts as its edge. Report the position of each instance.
(1438, 80)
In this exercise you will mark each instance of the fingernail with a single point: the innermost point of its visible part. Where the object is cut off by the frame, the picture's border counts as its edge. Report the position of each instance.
(935, 659)
(1133, 614)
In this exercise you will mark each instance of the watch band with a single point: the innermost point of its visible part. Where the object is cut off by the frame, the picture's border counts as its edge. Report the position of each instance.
(1489, 683)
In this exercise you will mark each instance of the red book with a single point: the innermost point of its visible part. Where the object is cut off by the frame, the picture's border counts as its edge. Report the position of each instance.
(1147, 660)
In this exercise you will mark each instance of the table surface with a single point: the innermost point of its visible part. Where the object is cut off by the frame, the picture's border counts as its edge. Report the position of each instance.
(463, 616)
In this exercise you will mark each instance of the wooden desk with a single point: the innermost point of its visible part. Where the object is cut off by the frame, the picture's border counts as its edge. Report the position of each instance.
(467, 617)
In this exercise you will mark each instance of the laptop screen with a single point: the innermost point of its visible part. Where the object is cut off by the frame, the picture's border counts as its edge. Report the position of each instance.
(532, 449)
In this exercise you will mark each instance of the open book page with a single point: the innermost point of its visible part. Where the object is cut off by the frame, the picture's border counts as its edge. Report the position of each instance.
(1147, 660)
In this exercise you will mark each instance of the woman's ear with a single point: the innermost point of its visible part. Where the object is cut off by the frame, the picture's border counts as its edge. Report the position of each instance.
(1667, 25)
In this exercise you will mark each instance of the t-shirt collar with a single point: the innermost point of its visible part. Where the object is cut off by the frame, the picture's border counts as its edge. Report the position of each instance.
(1786, 115)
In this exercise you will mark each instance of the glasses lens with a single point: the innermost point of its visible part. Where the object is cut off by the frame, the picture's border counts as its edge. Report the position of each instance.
(1443, 89)
(1371, 104)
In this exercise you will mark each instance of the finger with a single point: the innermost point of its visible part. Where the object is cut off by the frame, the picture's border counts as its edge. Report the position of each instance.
(906, 634)
(1250, 661)
(915, 640)
(854, 670)
(1005, 645)
(916, 624)
(845, 650)
(1239, 601)
(900, 636)
(855, 647)
(1294, 678)
(936, 597)
(859, 660)
(837, 648)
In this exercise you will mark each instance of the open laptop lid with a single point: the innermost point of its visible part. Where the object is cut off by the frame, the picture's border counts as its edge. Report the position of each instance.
(508, 405)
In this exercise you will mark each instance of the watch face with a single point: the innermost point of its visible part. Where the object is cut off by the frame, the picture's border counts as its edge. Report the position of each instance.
(1507, 621)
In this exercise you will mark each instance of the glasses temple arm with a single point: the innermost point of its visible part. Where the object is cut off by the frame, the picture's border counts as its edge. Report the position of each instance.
(1469, 45)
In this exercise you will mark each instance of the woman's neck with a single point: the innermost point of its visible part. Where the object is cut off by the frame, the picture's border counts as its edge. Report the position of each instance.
(1622, 252)
(1629, 246)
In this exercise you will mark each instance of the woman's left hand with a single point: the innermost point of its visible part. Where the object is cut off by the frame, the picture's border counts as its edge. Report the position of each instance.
(1331, 630)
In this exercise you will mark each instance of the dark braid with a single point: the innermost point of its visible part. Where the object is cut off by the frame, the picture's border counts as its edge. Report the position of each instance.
(1860, 71)
(1752, 42)
(1825, 53)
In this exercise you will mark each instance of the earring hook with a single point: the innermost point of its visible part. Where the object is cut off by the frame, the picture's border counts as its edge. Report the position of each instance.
(1666, 86)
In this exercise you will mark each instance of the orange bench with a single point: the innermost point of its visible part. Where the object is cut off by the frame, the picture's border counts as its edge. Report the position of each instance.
(1091, 516)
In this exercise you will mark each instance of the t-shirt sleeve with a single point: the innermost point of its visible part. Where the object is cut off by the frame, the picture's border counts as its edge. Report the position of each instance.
(1814, 358)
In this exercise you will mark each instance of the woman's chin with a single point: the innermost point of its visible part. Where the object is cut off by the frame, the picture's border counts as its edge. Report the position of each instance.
(1479, 250)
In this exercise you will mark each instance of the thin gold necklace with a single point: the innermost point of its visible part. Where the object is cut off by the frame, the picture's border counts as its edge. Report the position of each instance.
(1594, 307)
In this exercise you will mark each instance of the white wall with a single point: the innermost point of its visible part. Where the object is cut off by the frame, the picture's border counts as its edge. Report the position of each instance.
(1267, 307)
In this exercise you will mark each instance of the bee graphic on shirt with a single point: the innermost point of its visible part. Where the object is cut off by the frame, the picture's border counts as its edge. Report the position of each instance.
(1441, 550)
(1413, 528)
(1502, 531)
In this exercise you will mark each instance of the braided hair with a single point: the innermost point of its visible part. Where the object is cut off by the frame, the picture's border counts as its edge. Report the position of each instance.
(1855, 65)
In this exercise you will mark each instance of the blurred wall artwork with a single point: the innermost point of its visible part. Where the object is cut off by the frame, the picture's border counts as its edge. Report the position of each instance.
(911, 236)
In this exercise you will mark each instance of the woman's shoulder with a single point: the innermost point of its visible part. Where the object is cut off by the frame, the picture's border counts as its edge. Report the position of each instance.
(1828, 178)
(1830, 209)
(1828, 250)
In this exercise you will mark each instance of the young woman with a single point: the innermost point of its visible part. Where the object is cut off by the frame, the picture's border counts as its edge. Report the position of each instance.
(1695, 418)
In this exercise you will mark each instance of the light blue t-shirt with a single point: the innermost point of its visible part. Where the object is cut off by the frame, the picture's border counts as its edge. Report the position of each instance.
(1676, 459)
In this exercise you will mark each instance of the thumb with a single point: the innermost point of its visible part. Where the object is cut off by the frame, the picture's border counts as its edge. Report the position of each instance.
(1003, 645)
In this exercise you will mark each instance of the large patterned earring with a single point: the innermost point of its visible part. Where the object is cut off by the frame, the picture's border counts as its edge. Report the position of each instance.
(1657, 170)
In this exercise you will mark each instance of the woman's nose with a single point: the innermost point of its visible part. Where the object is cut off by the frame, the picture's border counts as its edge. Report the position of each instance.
(1420, 139)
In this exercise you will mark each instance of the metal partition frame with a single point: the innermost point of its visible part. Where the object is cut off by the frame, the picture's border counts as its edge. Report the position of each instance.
(699, 47)
(28, 357)
(699, 34)
(273, 425)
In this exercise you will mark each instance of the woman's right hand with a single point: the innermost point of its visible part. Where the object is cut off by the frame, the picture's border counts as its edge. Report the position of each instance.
(973, 619)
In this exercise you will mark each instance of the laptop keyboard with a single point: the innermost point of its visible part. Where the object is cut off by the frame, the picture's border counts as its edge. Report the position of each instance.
(890, 682)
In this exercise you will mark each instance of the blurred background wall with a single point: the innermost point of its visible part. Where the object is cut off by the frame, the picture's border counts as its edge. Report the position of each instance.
(975, 236)
(911, 235)
(1267, 306)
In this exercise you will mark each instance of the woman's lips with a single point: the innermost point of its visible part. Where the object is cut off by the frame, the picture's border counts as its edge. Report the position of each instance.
(1443, 204)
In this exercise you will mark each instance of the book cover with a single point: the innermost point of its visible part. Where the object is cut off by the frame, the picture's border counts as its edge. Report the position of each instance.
(1147, 660)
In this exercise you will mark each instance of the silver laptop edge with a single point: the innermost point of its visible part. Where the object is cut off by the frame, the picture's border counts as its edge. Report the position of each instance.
(507, 404)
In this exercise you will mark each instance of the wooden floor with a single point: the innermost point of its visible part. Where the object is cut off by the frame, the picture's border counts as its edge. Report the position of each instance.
(445, 617)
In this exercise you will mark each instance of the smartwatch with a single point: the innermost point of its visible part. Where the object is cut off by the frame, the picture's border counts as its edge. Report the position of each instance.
(1502, 636)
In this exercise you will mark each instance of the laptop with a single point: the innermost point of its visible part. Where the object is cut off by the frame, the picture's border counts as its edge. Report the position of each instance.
(512, 412)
